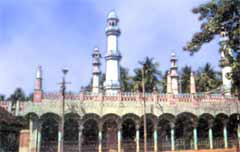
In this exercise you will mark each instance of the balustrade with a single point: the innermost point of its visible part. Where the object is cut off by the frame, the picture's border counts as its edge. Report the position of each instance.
(187, 98)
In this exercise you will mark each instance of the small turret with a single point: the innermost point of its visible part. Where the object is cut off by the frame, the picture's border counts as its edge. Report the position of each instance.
(38, 92)
(96, 71)
(169, 83)
(174, 74)
(192, 84)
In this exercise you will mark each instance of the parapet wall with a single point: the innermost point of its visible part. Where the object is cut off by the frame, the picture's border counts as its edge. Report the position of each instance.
(125, 103)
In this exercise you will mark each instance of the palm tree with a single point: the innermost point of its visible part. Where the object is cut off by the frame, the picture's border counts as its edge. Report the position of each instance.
(152, 75)
(185, 79)
(207, 78)
(18, 95)
(126, 80)
(163, 82)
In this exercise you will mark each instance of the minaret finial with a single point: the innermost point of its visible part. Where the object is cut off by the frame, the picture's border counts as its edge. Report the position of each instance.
(39, 72)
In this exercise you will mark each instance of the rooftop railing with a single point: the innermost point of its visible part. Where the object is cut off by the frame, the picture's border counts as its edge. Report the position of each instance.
(135, 97)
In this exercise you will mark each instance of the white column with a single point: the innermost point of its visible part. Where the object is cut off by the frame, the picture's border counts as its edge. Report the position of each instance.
(39, 137)
(225, 135)
(195, 138)
(238, 134)
(100, 140)
(172, 137)
(119, 139)
(80, 128)
(210, 135)
(33, 134)
(30, 134)
(59, 137)
(155, 140)
(137, 139)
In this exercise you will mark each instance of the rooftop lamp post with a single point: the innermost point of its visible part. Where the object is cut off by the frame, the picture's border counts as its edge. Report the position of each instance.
(63, 89)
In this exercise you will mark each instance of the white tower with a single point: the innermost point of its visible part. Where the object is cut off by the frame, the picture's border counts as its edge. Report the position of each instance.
(96, 71)
(226, 68)
(113, 57)
(192, 84)
(174, 74)
(38, 92)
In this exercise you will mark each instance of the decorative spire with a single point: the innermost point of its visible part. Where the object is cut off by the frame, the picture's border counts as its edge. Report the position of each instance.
(96, 71)
(39, 72)
(38, 92)
(174, 74)
(192, 84)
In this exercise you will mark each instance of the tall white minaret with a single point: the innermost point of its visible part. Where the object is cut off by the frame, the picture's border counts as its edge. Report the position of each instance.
(38, 92)
(96, 71)
(226, 68)
(174, 74)
(113, 57)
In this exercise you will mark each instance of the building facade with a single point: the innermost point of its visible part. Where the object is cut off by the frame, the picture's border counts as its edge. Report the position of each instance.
(107, 119)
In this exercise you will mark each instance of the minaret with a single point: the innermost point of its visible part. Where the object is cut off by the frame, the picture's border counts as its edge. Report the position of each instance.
(226, 68)
(174, 74)
(169, 83)
(113, 57)
(96, 71)
(192, 84)
(38, 92)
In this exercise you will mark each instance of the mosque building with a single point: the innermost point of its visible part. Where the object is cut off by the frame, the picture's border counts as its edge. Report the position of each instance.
(108, 119)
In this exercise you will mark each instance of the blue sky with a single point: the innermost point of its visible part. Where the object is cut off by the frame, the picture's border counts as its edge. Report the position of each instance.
(62, 33)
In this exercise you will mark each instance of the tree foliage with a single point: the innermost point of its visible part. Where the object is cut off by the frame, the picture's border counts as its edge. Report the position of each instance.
(126, 80)
(152, 75)
(207, 79)
(18, 95)
(216, 16)
(185, 74)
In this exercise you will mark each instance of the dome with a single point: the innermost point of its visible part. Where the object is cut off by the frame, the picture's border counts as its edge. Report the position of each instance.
(112, 15)
(96, 49)
(173, 54)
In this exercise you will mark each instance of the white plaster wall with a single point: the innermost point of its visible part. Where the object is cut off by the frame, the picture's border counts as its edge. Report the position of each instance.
(112, 70)
(112, 43)
(175, 86)
(95, 81)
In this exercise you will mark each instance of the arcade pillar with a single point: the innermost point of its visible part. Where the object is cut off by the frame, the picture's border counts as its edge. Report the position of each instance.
(24, 141)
